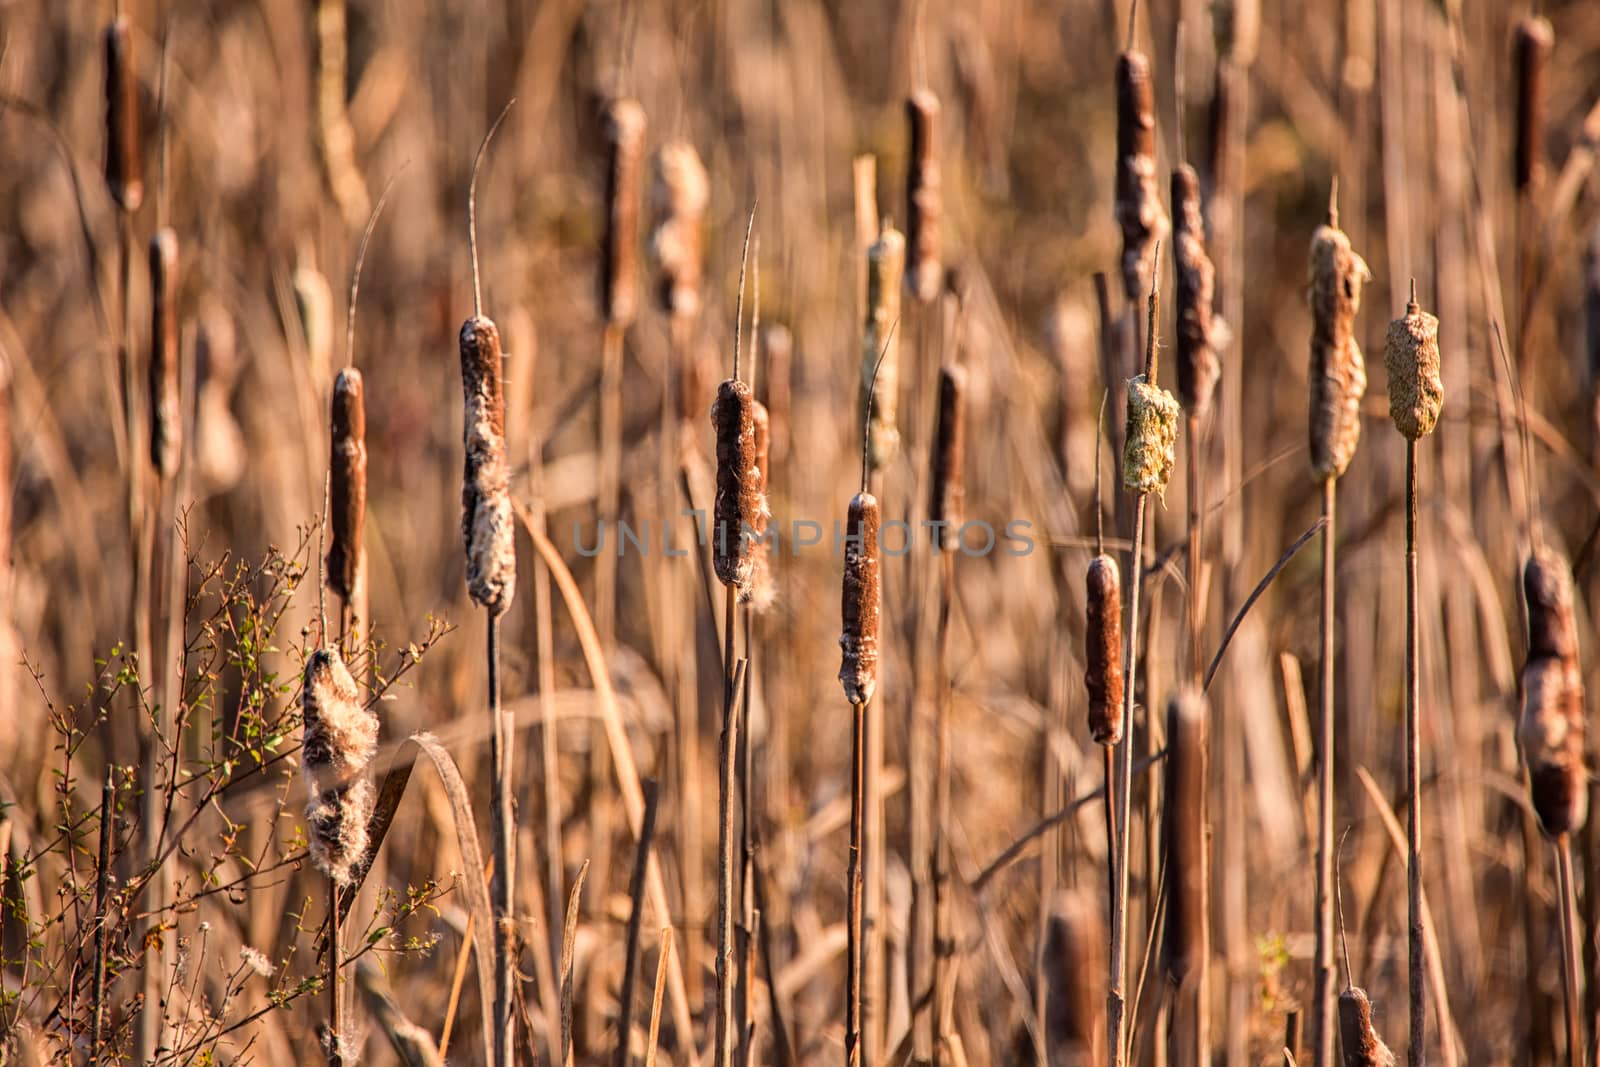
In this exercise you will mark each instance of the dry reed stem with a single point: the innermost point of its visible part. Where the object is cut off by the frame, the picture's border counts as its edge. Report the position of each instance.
(1362, 1045)
(1200, 334)
(569, 960)
(727, 782)
(1338, 373)
(1103, 650)
(124, 168)
(102, 879)
(924, 198)
(166, 408)
(1416, 1050)
(1532, 42)
(636, 883)
(880, 347)
(1323, 964)
(1074, 967)
(348, 484)
(1411, 355)
(655, 1000)
(624, 134)
(680, 193)
(860, 607)
(1138, 200)
(947, 496)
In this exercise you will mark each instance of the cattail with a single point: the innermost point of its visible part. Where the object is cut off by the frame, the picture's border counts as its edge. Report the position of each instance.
(1338, 374)
(924, 199)
(1184, 834)
(166, 411)
(1102, 623)
(778, 346)
(1199, 331)
(679, 195)
(1551, 726)
(739, 504)
(761, 591)
(880, 345)
(859, 670)
(340, 736)
(1151, 441)
(348, 483)
(1075, 976)
(624, 132)
(1138, 200)
(1360, 1041)
(124, 169)
(485, 484)
(947, 500)
(1533, 41)
(1411, 354)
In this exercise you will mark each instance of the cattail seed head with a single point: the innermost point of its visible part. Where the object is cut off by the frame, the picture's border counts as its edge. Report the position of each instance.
(1359, 1040)
(1198, 329)
(1075, 976)
(1338, 374)
(1102, 676)
(1138, 200)
(858, 671)
(886, 261)
(761, 591)
(948, 496)
(336, 826)
(1184, 834)
(1551, 725)
(485, 484)
(624, 133)
(1533, 40)
(347, 466)
(339, 737)
(124, 167)
(166, 408)
(1411, 354)
(679, 195)
(739, 503)
(924, 197)
(1151, 442)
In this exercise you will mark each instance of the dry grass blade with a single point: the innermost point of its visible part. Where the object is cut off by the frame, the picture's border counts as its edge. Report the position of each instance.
(458, 977)
(655, 1000)
(635, 920)
(569, 939)
(412, 1043)
(1255, 594)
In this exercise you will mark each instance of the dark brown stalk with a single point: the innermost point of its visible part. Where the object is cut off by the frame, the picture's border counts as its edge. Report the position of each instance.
(1416, 968)
(727, 782)
(855, 944)
(102, 880)
(630, 973)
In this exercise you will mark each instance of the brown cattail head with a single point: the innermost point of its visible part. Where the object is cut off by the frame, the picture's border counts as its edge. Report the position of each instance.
(761, 591)
(339, 734)
(336, 826)
(1075, 976)
(1198, 341)
(124, 168)
(1338, 373)
(486, 478)
(1150, 445)
(1138, 200)
(1360, 1042)
(739, 503)
(1551, 724)
(166, 408)
(924, 198)
(679, 195)
(858, 671)
(1183, 831)
(347, 467)
(1532, 42)
(947, 501)
(1102, 621)
(881, 338)
(1411, 354)
(624, 133)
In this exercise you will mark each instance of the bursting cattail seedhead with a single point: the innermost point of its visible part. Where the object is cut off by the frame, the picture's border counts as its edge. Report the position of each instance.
(858, 671)
(1184, 834)
(339, 734)
(1547, 589)
(166, 408)
(347, 467)
(1102, 676)
(1138, 199)
(948, 497)
(124, 167)
(1533, 40)
(761, 591)
(924, 197)
(624, 133)
(739, 503)
(1338, 373)
(1199, 330)
(1552, 724)
(1411, 354)
(885, 267)
(1074, 968)
(336, 829)
(485, 483)
(1151, 441)
(1360, 1041)
(679, 195)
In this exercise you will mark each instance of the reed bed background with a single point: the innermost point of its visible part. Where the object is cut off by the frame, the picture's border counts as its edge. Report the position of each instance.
(183, 202)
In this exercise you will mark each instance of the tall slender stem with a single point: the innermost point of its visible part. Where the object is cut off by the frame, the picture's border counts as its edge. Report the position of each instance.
(727, 776)
(1325, 990)
(852, 1023)
(1416, 1053)
(1569, 949)
(1192, 463)
(943, 939)
(102, 880)
(503, 828)
(1116, 999)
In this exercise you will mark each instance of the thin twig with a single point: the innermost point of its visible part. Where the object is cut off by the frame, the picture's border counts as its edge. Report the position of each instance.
(630, 970)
